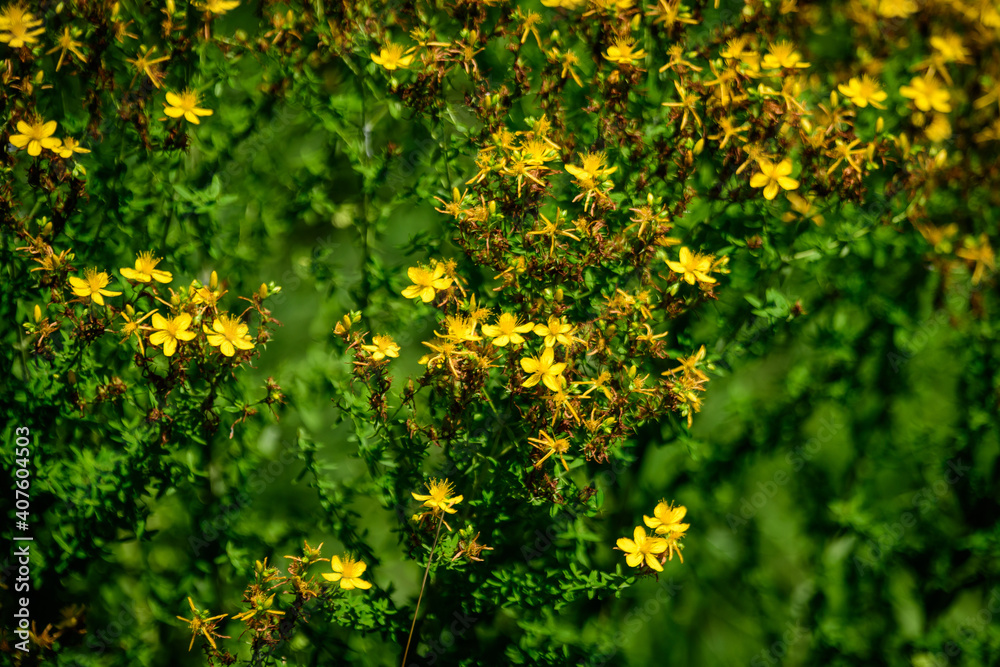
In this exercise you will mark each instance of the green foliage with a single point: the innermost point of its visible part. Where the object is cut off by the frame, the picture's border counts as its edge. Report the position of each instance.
(805, 361)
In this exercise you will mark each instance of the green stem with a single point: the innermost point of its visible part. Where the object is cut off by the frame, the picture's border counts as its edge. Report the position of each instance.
(423, 586)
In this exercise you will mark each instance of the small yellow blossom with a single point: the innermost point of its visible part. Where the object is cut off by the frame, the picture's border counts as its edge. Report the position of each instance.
(783, 55)
(550, 446)
(927, 94)
(772, 176)
(185, 104)
(863, 91)
(131, 326)
(348, 572)
(692, 267)
(382, 347)
(426, 283)
(556, 331)
(666, 519)
(35, 136)
(228, 334)
(19, 27)
(438, 497)
(64, 44)
(169, 332)
(200, 624)
(392, 57)
(543, 369)
(641, 548)
(623, 52)
(69, 147)
(92, 285)
(145, 270)
(217, 7)
(507, 330)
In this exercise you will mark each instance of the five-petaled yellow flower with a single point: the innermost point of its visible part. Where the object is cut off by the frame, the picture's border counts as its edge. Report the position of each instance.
(185, 104)
(666, 519)
(35, 136)
(863, 91)
(556, 331)
(392, 56)
(18, 26)
(772, 176)
(228, 334)
(623, 52)
(382, 347)
(68, 147)
(692, 267)
(641, 548)
(507, 330)
(348, 572)
(783, 54)
(92, 284)
(927, 94)
(438, 497)
(169, 332)
(145, 270)
(426, 283)
(543, 369)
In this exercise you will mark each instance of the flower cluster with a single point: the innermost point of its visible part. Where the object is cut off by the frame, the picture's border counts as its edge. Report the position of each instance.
(652, 551)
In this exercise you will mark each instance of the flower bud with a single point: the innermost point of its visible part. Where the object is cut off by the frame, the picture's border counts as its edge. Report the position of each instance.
(262, 292)
(879, 124)
(38, 313)
(213, 282)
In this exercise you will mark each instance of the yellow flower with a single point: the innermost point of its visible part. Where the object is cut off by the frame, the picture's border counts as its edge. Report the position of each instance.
(66, 43)
(927, 94)
(438, 497)
(348, 572)
(772, 176)
(383, 347)
(131, 326)
(980, 252)
(17, 26)
(542, 369)
(426, 283)
(666, 519)
(622, 53)
(507, 330)
(392, 57)
(781, 55)
(227, 334)
(863, 91)
(218, 7)
(200, 624)
(641, 548)
(68, 147)
(169, 332)
(550, 446)
(186, 105)
(692, 267)
(35, 136)
(92, 285)
(556, 331)
(592, 168)
(145, 270)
